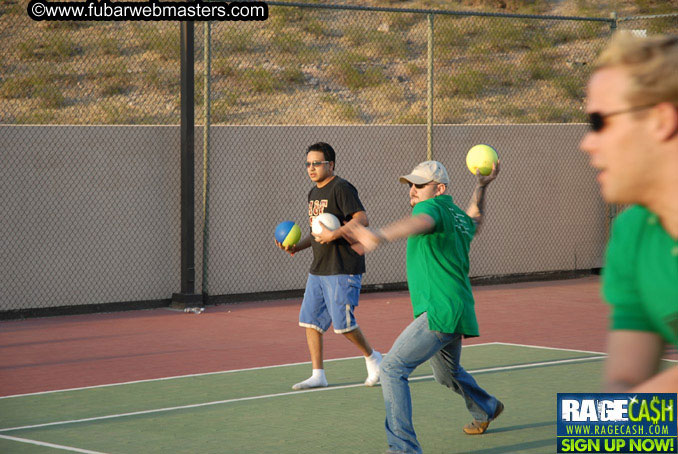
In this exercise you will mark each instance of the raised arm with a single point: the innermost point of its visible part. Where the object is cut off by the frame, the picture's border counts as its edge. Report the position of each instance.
(476, 206)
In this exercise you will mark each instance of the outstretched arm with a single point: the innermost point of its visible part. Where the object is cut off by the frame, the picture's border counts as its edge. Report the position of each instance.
(370, 240)
(476, 206)
(327, 235)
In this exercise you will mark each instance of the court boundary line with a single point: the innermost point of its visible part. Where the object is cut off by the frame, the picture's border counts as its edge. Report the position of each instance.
(203, 374)
(569, 350)
(289, 393)
(50, 445)
(174, 377)
(511, 344)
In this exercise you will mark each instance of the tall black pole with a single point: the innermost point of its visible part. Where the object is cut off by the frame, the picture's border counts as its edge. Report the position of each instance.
(187, 297)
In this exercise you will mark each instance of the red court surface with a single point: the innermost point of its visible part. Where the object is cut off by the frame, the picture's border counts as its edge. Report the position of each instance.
(85, 350)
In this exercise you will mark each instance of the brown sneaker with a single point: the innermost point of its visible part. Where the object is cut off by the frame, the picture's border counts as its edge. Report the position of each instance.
(476, 427)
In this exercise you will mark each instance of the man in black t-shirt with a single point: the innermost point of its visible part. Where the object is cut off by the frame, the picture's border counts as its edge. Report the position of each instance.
(334, 281)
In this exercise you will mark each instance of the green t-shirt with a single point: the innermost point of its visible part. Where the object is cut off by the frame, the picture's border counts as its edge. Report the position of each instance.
(640, 278)
(437, 268)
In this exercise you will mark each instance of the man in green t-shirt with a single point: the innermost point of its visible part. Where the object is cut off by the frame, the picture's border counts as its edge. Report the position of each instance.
(632, 104)
(438, 236)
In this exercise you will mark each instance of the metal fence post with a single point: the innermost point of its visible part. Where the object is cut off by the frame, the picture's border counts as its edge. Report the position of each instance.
(429, 119)
(611, 210)
(613, 24)
(187, 297)
(205, 161)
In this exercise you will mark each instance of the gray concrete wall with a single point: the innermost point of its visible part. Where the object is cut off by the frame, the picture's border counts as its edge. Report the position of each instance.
(91, 214)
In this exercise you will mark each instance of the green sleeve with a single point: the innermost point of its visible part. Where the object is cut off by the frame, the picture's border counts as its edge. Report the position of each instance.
(619, 287)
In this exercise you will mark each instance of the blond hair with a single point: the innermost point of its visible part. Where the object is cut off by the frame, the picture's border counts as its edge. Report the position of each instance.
(651, 62)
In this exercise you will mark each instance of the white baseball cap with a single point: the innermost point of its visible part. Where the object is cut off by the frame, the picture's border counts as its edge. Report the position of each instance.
(426, 172)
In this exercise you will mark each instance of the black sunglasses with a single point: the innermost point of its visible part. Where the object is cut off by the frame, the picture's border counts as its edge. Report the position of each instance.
(420, 186)
(597, 119)
(315, 163)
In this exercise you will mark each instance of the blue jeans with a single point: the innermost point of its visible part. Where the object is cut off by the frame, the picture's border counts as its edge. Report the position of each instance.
(415, 345)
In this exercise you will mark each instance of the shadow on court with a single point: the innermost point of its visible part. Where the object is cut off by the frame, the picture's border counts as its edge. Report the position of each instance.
(523, 426)
(518, 447)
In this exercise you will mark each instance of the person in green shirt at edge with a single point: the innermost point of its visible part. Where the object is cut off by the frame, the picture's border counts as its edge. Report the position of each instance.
(439, 237)
(632, 104)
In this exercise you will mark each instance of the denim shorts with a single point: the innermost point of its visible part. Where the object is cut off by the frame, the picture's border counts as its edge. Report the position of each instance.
(330, 300)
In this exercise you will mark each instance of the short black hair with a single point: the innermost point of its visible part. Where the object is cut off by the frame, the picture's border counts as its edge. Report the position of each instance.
(326, 149)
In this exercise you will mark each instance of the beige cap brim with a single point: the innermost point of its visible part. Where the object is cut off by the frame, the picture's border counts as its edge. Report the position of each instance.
(415, 179)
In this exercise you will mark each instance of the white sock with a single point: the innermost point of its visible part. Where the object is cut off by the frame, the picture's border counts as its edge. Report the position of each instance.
(372, 362)
(316, 380)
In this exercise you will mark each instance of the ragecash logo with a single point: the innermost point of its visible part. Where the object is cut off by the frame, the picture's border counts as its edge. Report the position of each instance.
(618, 423)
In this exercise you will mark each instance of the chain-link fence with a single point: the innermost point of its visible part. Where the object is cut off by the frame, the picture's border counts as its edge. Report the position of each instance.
(90, 211)
(91, 206)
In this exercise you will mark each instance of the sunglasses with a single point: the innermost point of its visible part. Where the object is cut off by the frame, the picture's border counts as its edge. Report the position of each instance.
(597, 119)
(420, 186)
(315, 163)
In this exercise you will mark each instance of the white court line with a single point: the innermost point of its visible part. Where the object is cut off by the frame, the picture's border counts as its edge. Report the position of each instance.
(549, 348)
(192, 375)
(50, 445)
(566, 350)
(266, 396)
(171, 378)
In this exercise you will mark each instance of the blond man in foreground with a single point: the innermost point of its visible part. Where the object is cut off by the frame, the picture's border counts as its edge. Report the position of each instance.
(632, 104)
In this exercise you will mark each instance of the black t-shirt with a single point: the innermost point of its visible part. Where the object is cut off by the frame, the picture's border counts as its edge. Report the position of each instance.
(340, 198)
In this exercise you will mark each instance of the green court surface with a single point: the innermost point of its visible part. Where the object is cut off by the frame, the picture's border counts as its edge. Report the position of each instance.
(255, 410)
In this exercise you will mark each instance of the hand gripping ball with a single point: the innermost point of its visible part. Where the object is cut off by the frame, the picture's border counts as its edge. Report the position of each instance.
(287, 233)
(481, 157)
(330, 221)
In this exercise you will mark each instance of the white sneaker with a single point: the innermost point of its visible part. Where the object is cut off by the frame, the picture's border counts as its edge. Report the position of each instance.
(311, 382)
(373, 368)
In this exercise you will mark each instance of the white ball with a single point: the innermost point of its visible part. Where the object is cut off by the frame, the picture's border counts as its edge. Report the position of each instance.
(328, 219)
